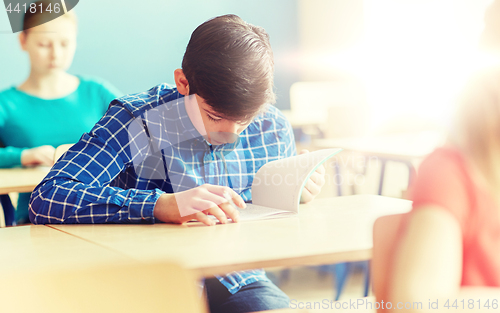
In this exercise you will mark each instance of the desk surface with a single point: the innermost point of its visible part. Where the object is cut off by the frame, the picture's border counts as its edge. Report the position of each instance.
(46, 270)
(405, 146)
(21, 179)
(37, 247)
(328, 230)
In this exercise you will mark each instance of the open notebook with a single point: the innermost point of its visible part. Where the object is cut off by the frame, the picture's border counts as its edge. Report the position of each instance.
(278, 185)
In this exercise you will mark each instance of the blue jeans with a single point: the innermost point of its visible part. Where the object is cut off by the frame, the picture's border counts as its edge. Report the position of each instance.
(8, 210)
(257, 296)
(22, 215)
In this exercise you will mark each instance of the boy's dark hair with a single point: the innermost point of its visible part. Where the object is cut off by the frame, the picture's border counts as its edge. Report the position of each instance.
(229, 63)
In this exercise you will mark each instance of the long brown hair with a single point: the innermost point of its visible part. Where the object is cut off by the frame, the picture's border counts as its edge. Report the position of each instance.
(477, 128)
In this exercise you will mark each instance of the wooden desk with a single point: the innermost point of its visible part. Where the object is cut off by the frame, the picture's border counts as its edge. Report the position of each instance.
(45, 270)
(37, 248)
(326, 231)
(18, 180)
(21, 179)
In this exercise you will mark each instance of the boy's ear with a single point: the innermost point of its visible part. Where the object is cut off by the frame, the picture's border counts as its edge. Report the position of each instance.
(22, 40)
(181, 82)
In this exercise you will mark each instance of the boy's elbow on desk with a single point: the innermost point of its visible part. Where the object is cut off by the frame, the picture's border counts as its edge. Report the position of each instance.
(37, 206)
(40, 205)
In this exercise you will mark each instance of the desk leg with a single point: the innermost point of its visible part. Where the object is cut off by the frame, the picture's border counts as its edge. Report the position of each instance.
(337, 179)
(412, 173)
(8, 209)
(367, 269)
(382, 174)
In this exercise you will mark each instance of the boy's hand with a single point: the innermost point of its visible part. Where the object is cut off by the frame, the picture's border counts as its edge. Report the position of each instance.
(43, 155)
(196, 204)
(313, 184)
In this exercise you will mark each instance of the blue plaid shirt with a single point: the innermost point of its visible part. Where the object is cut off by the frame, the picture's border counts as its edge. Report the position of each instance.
(144, 146)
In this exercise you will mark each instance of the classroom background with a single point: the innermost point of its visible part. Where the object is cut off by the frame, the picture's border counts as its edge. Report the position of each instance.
(343, 69)
(408, 57)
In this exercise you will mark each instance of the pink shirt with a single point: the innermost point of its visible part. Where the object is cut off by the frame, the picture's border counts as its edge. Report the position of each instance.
(443, 179)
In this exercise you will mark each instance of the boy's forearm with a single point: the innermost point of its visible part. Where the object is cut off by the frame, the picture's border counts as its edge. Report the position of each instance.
(163, 207)
(74, 202)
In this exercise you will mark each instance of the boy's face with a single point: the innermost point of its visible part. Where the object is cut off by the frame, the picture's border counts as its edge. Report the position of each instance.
(215, 128)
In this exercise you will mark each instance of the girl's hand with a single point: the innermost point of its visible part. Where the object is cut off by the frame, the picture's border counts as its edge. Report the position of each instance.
(43, 155)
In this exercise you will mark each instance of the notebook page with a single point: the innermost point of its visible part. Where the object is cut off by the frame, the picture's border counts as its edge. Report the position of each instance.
(252, 212)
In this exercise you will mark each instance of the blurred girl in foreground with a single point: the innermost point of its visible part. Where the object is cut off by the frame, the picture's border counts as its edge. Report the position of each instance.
(52, 107)
(450, 249)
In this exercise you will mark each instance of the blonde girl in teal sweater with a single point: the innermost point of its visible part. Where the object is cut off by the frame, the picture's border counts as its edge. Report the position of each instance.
(51, 107)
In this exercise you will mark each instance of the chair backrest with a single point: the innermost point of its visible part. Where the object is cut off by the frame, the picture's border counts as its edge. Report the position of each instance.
(110, 288)
(385, 244)
(60, 150)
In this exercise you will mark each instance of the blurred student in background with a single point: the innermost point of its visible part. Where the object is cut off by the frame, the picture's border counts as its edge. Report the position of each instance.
(490, 37)
(52, 107)
(449, 250)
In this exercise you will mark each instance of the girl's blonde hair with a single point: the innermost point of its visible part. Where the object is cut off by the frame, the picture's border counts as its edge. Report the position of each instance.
(39, 17)
(477, 128)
